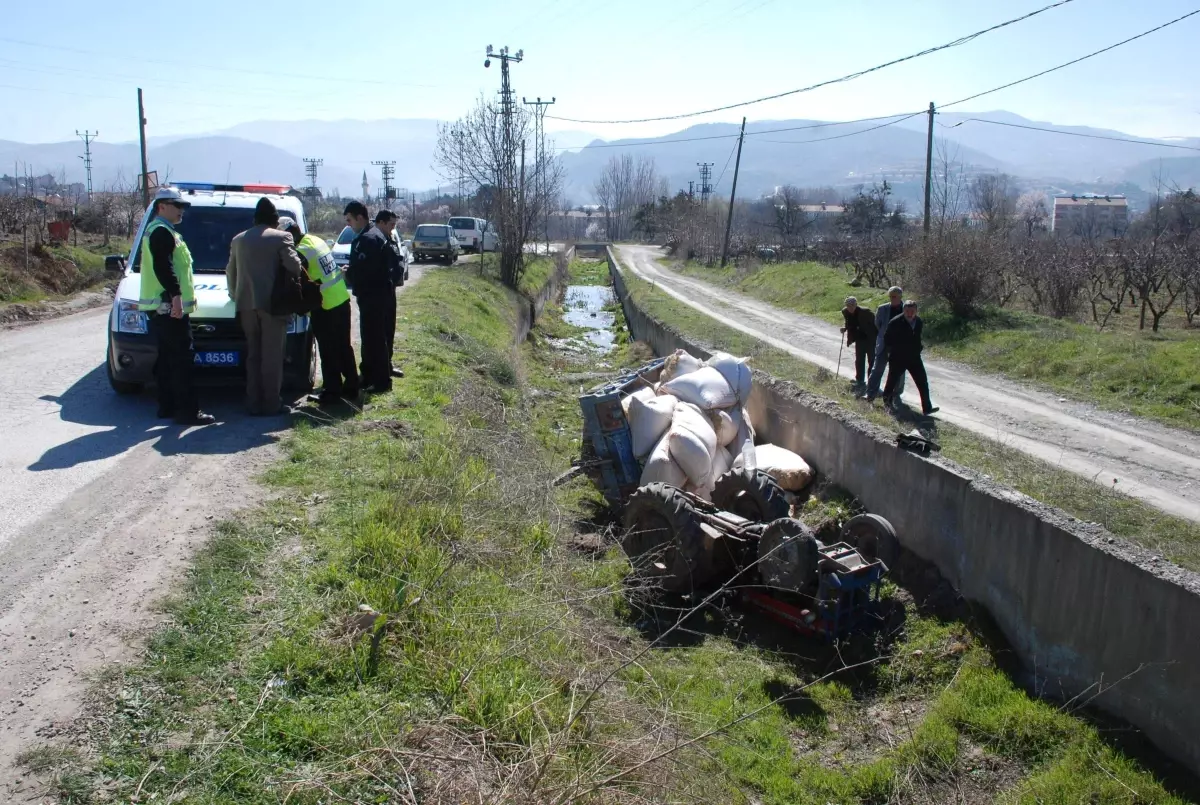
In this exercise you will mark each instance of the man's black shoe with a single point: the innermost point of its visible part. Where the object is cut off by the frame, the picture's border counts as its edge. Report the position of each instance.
(933, 409)
(198, 418)
(397, 372)
(328, 398)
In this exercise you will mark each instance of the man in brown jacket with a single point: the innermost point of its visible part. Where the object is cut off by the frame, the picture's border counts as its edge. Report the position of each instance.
(254, 260)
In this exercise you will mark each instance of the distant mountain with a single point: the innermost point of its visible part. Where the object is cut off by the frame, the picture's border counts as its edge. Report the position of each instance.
(814, 155)
(810, 154)
(1042, 154)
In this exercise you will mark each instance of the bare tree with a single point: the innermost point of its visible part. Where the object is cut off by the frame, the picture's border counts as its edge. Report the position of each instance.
(949, 187)
(488, 150)
(994, 199)
(625, 185)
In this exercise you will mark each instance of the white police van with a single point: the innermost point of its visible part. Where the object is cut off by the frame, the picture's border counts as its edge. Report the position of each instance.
(218, 212)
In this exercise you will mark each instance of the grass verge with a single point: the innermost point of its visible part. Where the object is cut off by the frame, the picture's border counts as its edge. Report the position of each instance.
(54, 270)
(1173, 537)
(1122, 369)
(499, 662)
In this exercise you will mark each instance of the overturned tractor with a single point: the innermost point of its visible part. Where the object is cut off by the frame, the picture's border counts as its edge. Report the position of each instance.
(745, 542)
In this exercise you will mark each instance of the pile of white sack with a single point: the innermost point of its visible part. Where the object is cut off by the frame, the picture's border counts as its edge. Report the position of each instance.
(692, 427)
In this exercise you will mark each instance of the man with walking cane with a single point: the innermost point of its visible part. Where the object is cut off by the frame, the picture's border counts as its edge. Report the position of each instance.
(886, 312)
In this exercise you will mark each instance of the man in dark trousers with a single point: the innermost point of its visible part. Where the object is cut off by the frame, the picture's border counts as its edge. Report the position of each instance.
(385, 222)
(370, 275)
(886, 312)
(903, 339)
(168, 297)
(331, 322)
(860, 333)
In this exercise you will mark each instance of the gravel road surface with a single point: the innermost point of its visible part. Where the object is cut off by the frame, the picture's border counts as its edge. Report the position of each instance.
(102, 508)
(1157, 464)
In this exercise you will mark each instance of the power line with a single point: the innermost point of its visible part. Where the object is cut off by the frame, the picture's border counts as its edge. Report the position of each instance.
(1075, 134)
(87, 138)
(1073, 61)
(849, 77)
(849, 134)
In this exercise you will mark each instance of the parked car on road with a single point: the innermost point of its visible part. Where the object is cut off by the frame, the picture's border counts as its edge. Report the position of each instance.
(341, 248)
(474, 234)
(435, 241)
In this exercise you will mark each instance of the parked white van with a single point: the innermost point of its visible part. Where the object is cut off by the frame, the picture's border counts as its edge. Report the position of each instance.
(474, 234)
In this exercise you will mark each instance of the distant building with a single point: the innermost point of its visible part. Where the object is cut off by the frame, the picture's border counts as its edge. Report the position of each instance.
(1089, 214)
(822, 209)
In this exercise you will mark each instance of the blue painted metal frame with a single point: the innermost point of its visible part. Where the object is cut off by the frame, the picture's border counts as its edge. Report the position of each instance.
(605, 427)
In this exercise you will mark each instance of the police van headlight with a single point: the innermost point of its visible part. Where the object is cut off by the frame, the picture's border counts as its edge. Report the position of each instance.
(130, 319)
(297, 324)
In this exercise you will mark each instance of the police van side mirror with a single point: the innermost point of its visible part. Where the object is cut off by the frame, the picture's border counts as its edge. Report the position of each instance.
(114, 263)
(329, 242)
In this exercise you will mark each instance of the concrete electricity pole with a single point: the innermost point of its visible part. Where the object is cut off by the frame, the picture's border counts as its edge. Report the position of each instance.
(928, 168)
(388, 168)
(705, 181)
(510, 227)
(142, 138)
(87, 138)
(310, 168)
(539, 161)
(733, 195)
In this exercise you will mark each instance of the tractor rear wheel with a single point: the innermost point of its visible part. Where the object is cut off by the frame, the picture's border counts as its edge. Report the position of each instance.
(873, 537)
(663, 539)
(751, 494)
(788, 555)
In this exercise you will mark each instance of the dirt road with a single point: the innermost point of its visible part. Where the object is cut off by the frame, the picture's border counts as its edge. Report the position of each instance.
(103, 506)
(1157, 464)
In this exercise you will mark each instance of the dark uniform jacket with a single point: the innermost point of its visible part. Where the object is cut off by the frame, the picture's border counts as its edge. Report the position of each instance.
(860, 326)
(904, 339)
(371, 260)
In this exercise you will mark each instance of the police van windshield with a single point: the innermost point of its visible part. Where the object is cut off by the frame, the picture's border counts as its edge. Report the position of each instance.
(347, 236)
(207, 231)
(462, 223)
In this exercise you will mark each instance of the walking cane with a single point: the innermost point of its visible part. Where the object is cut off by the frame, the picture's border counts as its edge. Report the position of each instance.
(841, 344)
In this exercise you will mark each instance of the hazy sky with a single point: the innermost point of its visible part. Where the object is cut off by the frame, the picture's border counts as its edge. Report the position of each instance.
(210, 64)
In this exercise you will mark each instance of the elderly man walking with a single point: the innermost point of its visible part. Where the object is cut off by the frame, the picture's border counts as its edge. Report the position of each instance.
(886, 312)
(255, 258)
(903, 338)
(860, 333)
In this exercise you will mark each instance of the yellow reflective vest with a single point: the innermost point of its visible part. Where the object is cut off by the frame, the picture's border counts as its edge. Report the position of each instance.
(322, 270)
(150, 295)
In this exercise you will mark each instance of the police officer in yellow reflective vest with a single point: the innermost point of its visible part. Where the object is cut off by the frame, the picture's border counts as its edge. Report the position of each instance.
(168, 297)
(330, 324)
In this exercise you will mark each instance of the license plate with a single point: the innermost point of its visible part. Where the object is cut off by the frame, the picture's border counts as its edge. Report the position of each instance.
(210, 358)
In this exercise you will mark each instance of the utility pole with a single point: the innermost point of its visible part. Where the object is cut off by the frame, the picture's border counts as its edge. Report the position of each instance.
(691, 191)
(388, 168)
(928, 168)
(509, 228)
(539, 162)
(705, 181)
(457, 133)
(87, 138)
(732, 195)
(310, 168)
(142, 138)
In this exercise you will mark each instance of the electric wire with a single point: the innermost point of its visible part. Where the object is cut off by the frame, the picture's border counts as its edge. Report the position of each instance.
(1074, 134)
(849, 77)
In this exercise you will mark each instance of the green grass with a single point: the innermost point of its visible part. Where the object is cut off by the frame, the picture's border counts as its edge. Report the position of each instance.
(537, 273)
(57, 270)
(433, 508)
(1122, 369)
(1173, 537)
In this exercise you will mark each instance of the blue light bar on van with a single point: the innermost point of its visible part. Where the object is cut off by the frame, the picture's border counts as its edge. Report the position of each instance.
(276, 189)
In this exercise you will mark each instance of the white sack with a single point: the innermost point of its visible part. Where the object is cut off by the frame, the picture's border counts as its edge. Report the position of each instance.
(722, 463)
(649, 420)
(704, 388)
(736, 374)
(677, 364)
(693, 443)
(724, 425)
(742, 447)
(661, 468)
(788, 469)
(645, 393)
